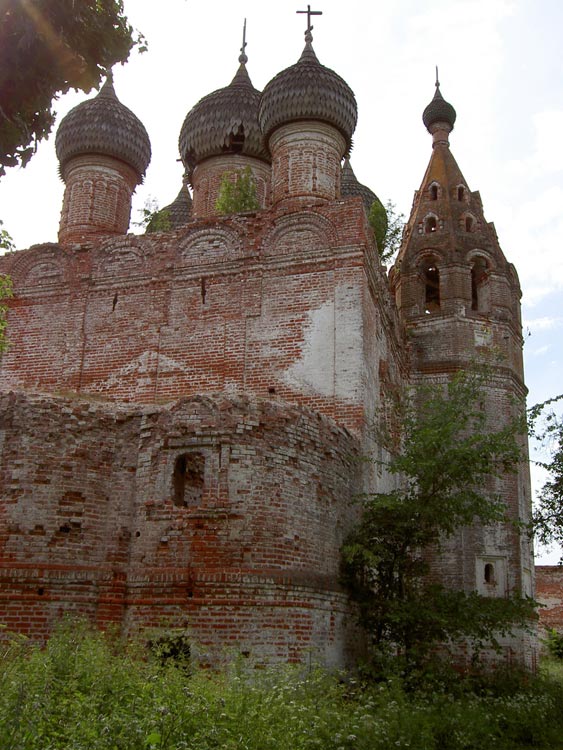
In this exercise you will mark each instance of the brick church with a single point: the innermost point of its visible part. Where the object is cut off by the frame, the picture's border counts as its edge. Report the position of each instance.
(184, 414)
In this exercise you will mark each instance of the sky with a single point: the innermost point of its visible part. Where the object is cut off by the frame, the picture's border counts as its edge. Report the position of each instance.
(500, 65)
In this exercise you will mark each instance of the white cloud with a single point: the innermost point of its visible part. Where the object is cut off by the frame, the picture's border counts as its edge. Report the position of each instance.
(543, 324)
(547, 156)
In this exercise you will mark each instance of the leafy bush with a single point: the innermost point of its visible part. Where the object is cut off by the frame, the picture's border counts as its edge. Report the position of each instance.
(237, 192)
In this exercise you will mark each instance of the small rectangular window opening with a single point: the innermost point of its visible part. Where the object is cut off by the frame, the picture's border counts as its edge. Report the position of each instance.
(489, 573)
(188, 479)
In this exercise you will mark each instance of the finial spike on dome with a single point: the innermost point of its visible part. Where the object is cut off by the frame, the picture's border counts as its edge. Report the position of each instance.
(437, 84)
(243, 58)
(107, 88)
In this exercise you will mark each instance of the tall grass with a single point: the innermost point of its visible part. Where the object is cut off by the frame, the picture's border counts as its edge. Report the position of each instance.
(88, 691)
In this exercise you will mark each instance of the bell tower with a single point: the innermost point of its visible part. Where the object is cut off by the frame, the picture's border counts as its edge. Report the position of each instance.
(459, 299)
(455, 290)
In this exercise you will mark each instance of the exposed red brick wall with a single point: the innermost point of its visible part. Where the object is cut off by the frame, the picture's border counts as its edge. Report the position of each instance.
(549, 592)
(278, 305)
(89, 524)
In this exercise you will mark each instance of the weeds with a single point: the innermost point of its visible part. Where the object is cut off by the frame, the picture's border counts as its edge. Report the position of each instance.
(89, 690)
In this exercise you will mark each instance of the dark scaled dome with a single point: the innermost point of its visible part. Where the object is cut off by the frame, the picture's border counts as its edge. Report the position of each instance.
(173, 216)
(103, 125)
(350, 186)
(308, 91)
(439, 110)
(225, 121)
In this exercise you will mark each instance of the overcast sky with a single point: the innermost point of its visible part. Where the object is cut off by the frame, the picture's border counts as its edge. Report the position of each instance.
(500, 65)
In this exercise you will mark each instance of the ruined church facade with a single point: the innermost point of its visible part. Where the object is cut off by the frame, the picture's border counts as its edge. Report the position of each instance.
(185, 414)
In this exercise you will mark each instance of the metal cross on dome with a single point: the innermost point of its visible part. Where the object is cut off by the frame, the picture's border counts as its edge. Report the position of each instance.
(310, 13)
(244, 42)
(243, 57)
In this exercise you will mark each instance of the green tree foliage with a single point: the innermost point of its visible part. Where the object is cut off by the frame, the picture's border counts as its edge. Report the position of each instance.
(153, 218)
(46, 48)
(6, 241)
(379, 223)
(447, 456)
(546, 427)
(5, 294)
(237, 192)
(388, 226)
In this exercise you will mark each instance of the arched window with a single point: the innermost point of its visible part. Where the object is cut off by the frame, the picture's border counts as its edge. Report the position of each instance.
(434, 192)
(480, 290)
(189, 469)
(469, 223)
(431, 276)
(461, 193)
(430, 224)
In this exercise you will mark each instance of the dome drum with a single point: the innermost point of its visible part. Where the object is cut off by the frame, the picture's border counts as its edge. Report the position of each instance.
(208, 175)
(306, 161)
(97, 198)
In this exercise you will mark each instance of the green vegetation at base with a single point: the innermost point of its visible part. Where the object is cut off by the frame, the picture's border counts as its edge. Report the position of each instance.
(87, 690)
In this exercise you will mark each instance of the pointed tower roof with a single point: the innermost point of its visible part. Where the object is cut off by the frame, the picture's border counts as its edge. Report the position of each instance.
(446, 217)
(225, 121)
(308, 91)
(103, 125)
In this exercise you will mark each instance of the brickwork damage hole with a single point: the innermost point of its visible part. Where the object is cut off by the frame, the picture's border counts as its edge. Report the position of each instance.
(188, 479)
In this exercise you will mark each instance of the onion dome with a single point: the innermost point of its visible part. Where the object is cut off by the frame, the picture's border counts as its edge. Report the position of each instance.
(308, 91)
(350, 186)
(439, 110)
(173, 216)
(103, 125)
(225, 121)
